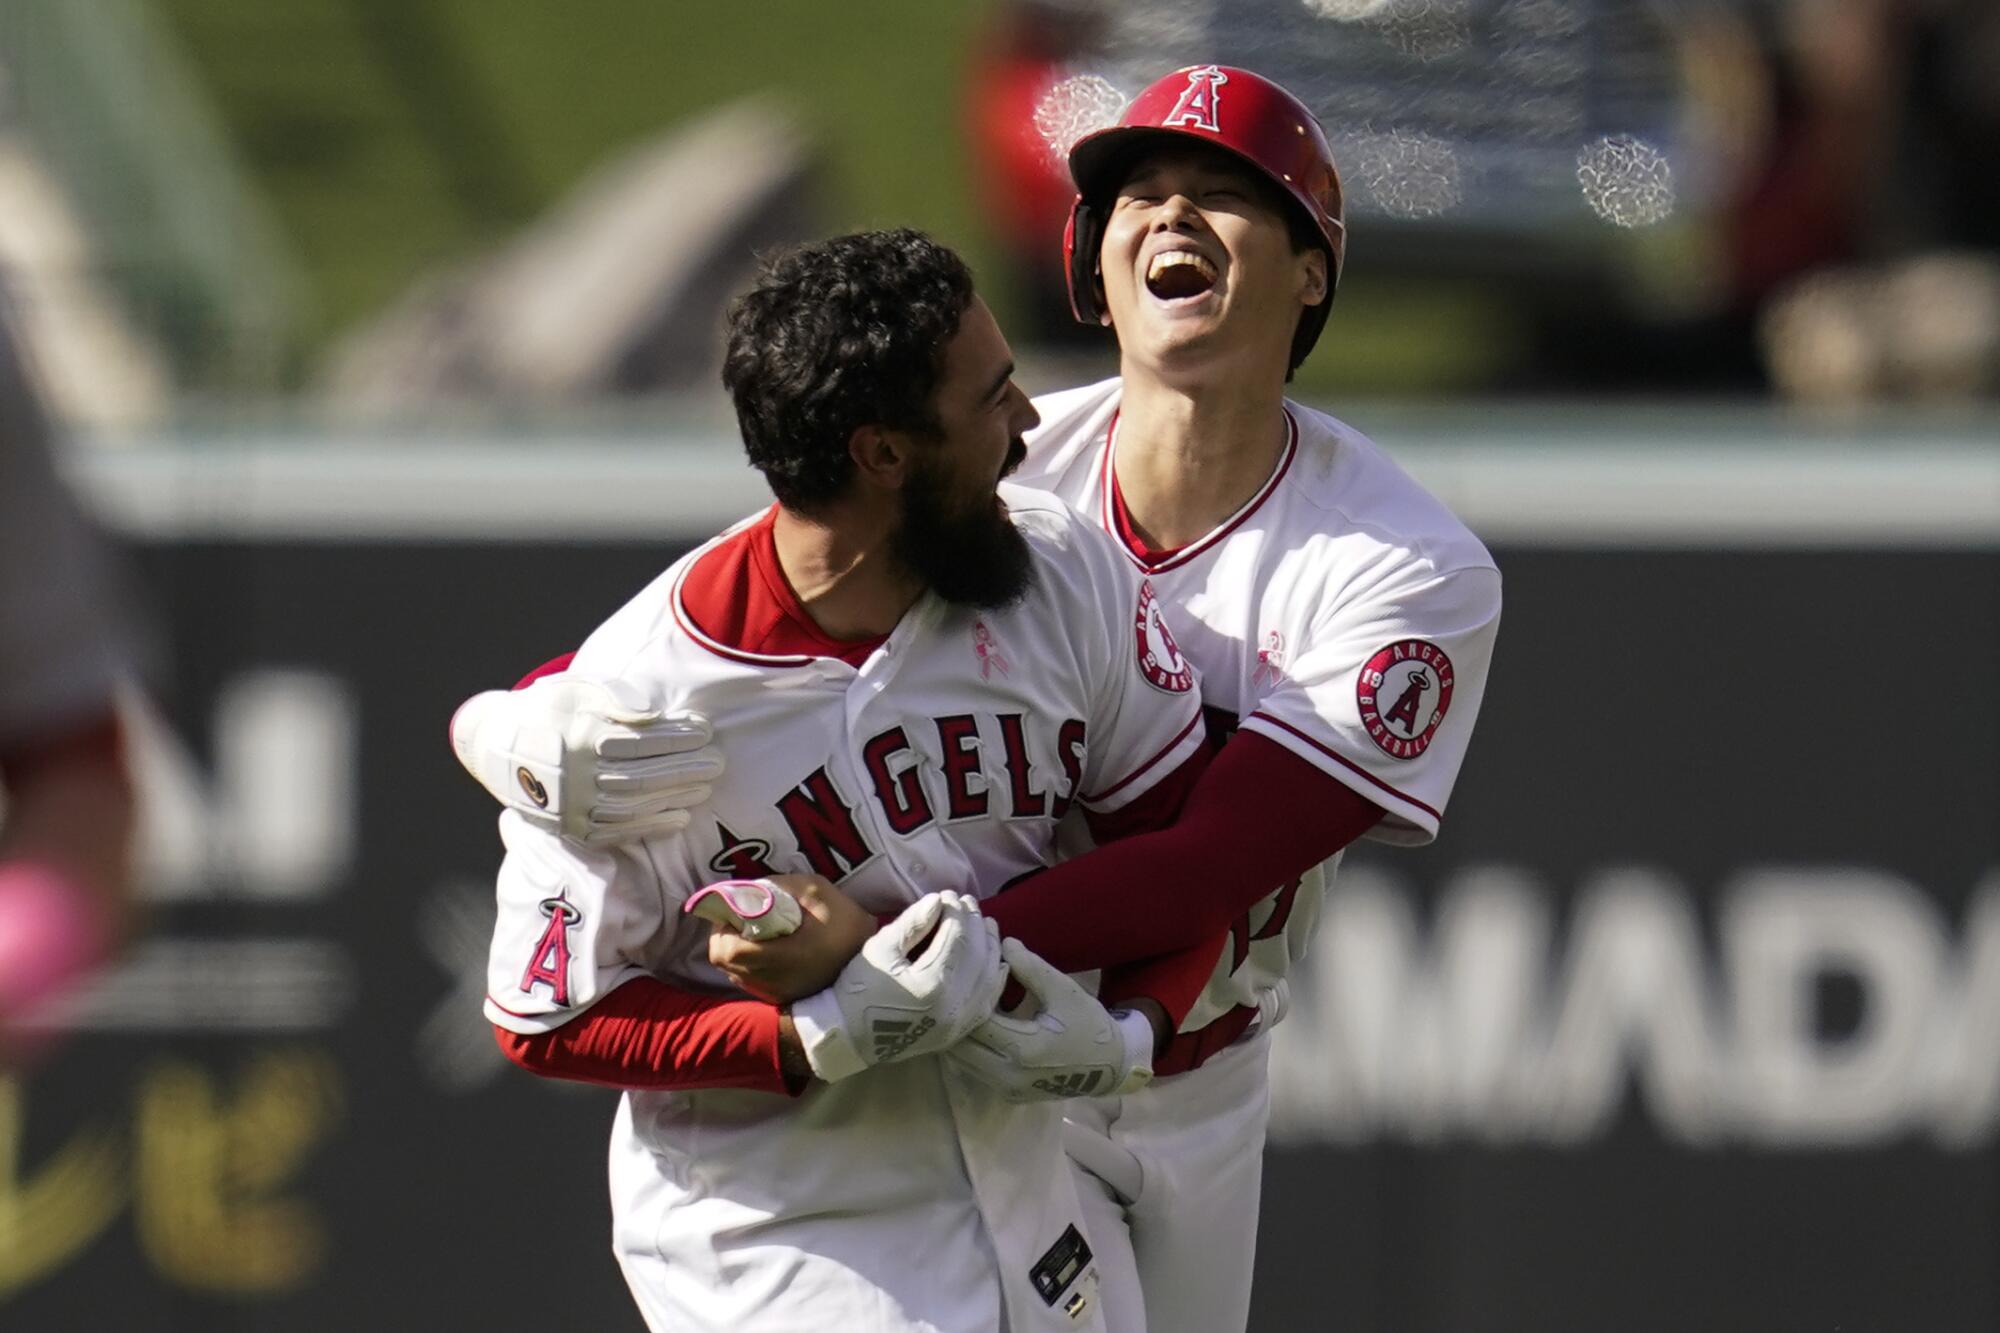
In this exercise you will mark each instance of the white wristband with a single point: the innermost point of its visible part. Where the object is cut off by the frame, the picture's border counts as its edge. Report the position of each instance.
(1137, 1032)
(830, 1050)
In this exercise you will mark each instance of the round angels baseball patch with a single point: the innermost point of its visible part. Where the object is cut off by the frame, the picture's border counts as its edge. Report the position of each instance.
(1404, 692)
(1160, 659)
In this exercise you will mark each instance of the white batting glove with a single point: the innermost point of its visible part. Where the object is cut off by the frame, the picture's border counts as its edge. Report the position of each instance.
(573, 758)
(1069, 1045)
(894, 1002)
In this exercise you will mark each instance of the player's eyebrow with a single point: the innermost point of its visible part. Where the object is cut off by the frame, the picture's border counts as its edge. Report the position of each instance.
(999, 384)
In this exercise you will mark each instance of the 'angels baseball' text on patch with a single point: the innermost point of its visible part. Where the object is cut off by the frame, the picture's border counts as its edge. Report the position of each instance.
(1404, 692)
(1160, 659)
(550, 964)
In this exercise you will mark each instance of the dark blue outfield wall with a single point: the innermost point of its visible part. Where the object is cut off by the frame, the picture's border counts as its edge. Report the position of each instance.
(1690, 1020)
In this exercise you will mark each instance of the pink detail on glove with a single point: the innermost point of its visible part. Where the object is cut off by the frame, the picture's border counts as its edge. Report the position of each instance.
(747, 898)
(50, 938)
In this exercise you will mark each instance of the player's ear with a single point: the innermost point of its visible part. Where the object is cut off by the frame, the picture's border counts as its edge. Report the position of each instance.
(881, 457)
(1312, 275)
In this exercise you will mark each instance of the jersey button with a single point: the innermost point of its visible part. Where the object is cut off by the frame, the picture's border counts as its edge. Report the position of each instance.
(918, 868)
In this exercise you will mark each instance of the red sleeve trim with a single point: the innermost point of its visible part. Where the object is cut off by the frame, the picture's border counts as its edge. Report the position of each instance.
(1349, 764)
(1138, 772)
(553, 667)
(647, 1034)
(1153, 809)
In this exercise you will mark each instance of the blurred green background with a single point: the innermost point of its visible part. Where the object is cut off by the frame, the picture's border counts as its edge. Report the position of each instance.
(289, 205)
(391, 135)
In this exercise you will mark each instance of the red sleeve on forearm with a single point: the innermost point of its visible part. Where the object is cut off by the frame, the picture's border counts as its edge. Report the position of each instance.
(1174, 981)
(554, 666)
(647, 1034)
(1156, 809)
(1260, 817)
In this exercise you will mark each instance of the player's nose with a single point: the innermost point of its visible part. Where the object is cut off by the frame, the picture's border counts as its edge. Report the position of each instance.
(1025, 418)
(1176, 213)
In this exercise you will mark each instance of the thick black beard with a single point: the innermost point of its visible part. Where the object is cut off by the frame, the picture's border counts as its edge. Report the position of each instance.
(977, 558)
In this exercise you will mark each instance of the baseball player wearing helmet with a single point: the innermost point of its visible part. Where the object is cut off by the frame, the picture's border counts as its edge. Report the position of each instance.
(919, 679)
(1340, 618)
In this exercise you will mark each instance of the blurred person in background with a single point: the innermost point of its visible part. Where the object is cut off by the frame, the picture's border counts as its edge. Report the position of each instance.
(1871, 244)
(1852, 250)
(67, 825)
(1861, 240)
(1023, 184)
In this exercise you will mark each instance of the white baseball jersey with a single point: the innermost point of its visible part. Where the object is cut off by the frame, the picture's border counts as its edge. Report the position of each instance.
(1343, 613)
(906, 1196)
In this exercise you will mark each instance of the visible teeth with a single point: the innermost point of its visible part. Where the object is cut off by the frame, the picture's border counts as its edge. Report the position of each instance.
(1167, 259)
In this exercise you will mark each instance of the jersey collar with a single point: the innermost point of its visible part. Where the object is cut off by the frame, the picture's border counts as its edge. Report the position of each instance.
(733, 599)
(1111, 505)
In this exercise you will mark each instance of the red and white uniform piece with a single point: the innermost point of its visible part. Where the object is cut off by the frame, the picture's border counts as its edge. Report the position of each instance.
(1346, 615)
(907, 1197)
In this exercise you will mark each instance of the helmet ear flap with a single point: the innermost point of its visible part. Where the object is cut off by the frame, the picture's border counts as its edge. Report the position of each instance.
(1083, 237)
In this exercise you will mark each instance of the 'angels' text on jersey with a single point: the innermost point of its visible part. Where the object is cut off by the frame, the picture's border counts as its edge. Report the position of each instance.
(910, 791)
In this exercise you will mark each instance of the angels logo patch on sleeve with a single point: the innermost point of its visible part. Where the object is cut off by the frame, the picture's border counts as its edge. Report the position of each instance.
(550, 964)
(1404, 691)
(1160, 659)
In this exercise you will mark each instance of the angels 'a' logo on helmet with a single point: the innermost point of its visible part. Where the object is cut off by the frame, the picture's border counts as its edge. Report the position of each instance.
(1200, 101)
(1403, 693)
(1160, 659)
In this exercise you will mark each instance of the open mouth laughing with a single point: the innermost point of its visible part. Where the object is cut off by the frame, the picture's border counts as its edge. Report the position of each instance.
(1180, 275)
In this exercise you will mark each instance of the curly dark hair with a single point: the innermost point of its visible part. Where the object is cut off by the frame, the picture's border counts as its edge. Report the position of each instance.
(836, 335)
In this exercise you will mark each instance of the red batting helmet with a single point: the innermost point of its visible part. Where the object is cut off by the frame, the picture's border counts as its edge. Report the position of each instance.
(1235, 109)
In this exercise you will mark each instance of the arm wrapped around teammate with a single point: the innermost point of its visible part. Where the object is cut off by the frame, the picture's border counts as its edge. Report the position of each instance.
(571, 757)
(918, 985)
(779, 967)
(1067, 1044)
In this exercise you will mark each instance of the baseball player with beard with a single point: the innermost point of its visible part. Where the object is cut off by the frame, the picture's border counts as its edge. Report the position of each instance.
(1340, 618)
(919, 681)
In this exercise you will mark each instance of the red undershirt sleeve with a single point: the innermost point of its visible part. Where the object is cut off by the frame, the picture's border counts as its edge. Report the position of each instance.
(1174, 980)
(554, 666)
(1259, 817)
(647, 1034)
